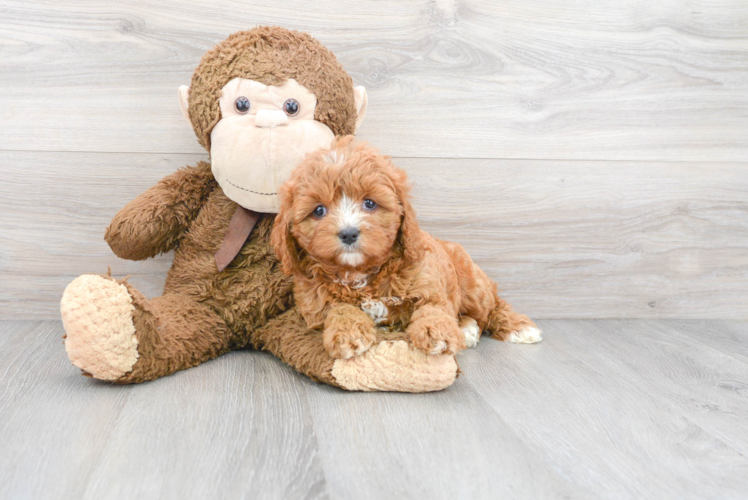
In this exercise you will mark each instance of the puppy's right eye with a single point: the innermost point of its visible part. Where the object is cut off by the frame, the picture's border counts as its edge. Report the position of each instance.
(320, 211)
(242, 105)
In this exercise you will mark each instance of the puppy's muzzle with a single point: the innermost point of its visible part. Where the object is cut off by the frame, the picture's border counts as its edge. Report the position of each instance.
(348, 236)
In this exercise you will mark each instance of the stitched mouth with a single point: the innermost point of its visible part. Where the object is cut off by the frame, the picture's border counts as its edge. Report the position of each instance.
(249, 190)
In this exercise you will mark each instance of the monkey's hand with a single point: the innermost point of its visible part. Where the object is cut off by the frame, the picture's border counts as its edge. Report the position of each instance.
(154, 221)
(348, 331)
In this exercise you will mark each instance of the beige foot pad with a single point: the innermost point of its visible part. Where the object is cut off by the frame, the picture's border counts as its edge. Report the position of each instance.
(100, 334)
(394, 366)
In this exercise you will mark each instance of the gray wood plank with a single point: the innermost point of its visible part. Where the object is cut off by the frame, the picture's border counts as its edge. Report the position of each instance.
(647, 80)
(600, 409)
(237, 427)
(10, 330)
(562, 239)
(729, 337)
(702, 383)
(442, 445)
(54, 423)
(585, 403)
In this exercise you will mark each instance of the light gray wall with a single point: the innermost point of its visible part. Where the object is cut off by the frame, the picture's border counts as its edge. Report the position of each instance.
(592, 156)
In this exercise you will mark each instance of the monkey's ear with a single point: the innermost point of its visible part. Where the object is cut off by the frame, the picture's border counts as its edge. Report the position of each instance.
(184, 100)
(361, 100)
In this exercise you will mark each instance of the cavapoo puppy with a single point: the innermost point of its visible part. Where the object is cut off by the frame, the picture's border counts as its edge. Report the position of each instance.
(348, 234)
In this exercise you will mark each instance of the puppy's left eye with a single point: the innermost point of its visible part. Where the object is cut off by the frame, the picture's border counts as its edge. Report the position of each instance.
(320, 211)
(370, 204)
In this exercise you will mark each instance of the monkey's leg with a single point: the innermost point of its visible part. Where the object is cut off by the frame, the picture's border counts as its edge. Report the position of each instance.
(114, 333)
(510, 326)
(391, 364)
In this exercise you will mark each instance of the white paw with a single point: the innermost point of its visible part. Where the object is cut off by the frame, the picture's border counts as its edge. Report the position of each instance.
(100, 335)
(471, 330)
(376, 310)
(529, 335)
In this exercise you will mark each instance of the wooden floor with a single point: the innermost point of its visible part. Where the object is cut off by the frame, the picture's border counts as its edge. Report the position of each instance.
(601, 409)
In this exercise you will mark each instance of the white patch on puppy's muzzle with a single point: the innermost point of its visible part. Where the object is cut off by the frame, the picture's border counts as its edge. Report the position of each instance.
(352, 259)
(349, 214)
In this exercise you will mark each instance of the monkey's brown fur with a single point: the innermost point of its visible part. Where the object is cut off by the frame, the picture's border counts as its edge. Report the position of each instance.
(204, 313)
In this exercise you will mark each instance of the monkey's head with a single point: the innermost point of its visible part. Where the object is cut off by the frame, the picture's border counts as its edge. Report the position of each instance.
(260, 101)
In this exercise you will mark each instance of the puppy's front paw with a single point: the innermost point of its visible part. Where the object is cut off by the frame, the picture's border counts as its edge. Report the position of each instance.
(471, 330)
(348, 332)
(434, 331)
(344, 343)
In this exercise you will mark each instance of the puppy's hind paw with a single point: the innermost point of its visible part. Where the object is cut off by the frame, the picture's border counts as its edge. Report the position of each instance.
(527, 335)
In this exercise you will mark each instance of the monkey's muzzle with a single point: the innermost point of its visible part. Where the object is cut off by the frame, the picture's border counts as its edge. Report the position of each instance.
(270, 118)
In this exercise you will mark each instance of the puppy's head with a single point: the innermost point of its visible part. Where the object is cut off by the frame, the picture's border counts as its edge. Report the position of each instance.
(347, 207)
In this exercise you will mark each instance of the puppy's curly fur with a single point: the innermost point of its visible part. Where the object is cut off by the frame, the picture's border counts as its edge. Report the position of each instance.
(348, 233)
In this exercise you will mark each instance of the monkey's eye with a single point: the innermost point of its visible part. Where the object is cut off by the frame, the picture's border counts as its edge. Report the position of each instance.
(370, 204)
(320, 211)
(291, 107)
(242, 105)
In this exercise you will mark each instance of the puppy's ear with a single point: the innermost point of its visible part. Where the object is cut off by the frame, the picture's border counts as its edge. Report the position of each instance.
(410, 238)
(284, 244)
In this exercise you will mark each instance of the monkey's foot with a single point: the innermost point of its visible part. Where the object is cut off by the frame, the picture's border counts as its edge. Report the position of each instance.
(100, 334)
(395, 366)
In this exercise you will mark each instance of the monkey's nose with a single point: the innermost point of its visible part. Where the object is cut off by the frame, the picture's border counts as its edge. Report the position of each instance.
(349, 235)
(270, 118)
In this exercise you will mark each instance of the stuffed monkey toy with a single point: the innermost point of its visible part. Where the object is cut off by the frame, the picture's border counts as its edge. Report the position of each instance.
(258, 102)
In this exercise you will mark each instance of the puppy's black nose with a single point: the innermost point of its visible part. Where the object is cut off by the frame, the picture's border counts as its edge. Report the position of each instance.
(348, 235)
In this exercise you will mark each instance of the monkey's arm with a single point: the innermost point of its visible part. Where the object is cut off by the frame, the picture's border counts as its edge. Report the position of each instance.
(153, 222)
